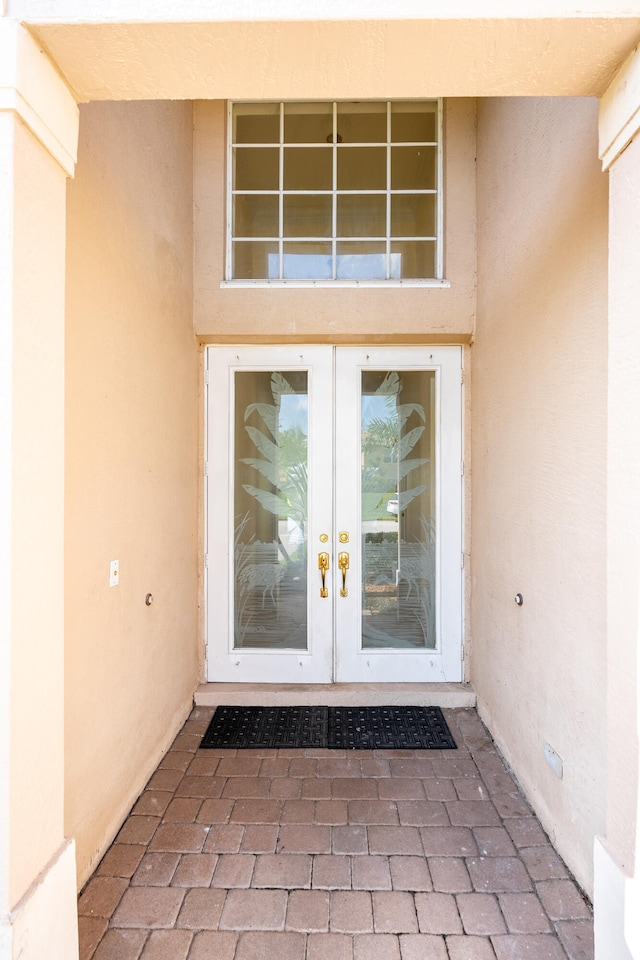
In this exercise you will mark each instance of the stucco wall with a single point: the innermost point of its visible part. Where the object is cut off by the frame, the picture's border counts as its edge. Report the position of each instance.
(32, 189)
(539, 457)
(340, 314)
(624, 507)
(131, 459)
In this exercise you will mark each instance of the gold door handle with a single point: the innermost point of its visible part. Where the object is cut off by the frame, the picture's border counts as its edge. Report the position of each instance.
(343, 563)
(323, 566)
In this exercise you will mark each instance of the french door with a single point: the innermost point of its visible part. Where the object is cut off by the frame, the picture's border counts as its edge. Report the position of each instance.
(334, 514)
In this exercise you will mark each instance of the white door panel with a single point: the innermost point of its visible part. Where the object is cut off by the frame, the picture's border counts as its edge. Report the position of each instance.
(402, 619)
(337, 451)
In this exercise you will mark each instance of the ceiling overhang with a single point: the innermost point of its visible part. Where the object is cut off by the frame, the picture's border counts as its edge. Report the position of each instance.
(104, 53)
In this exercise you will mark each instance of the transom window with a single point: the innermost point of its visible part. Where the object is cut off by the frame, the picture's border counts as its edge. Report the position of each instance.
(343, 191)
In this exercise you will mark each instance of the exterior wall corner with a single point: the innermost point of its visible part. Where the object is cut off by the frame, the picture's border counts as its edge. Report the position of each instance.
(619, 119)
(32, 89)
(45, 923)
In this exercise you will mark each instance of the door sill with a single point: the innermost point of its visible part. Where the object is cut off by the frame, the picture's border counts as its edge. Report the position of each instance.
(335, 694)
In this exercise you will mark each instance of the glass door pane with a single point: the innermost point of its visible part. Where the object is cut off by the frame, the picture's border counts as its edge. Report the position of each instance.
(270, 510)
(398, 497)
(398, 444)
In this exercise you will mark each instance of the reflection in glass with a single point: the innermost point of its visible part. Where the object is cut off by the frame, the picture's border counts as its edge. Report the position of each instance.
(361, 260)
(307, 261)
(413, 168)
(413, 215)
(308, 168)
(362, 168)
(270, 510)
(418, 257)
(252, 259)
(256, 168)
(256, 215)
(362, 215)
(306, 215)
(256, 122)
(398, 510)
(308, 122)
(411, 121)
(362, 122)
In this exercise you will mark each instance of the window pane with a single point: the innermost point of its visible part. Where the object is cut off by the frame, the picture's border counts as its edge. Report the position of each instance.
(413, 168)
(256, 169)
(270, 507)
(307, 261)
(308, 168)
(362, 215)
(307, 216)
(413, 215)
(398, 495)
(361, 261)
(255, 216)
(362, 168)
(308, 122)
(255, 261)
(417, 258)
(362, 122)
(256, 122)
(370, 183)
(413, 121)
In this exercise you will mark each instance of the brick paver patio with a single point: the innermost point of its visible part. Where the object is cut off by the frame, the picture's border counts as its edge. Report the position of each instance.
(329, 855)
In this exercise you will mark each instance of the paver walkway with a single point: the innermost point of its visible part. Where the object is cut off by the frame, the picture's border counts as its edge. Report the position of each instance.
(333, 855)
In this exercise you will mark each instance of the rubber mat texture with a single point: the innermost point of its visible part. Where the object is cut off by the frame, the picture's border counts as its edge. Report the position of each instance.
(343, 728)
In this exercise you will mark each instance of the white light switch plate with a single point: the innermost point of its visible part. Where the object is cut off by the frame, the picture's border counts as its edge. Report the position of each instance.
(114, 573)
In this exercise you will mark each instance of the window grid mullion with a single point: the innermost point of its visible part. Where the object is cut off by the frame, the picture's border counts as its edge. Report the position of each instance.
(317, 238)
(439, 198)
(345, 146)
(334, 198)
(388, 204)
(328, 193)
(229, 266)
(281, 196)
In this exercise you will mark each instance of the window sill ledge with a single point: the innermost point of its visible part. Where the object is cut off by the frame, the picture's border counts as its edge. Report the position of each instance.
(330, 284)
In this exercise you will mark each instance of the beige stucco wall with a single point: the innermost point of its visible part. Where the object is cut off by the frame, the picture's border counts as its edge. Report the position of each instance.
(539, 457)
(340, 314)
(624, 508)
(131, 459)
(32, 309)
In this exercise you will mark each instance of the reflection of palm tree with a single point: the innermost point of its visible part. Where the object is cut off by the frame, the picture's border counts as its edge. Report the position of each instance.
(283, 460)
(292, 444)
(293, 476)
(381, 433)
(386, 449)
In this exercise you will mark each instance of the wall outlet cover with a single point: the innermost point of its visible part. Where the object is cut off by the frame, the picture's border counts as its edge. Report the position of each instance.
(554, 760)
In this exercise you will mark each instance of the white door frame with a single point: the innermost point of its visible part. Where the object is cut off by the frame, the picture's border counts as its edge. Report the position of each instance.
(334, 623)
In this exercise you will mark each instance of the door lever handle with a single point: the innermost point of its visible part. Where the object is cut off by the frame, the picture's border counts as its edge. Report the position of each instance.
(323, 566)
(343, 563)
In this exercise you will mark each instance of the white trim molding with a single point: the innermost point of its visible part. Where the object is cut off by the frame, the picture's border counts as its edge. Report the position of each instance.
(620, 111)
(32, 89)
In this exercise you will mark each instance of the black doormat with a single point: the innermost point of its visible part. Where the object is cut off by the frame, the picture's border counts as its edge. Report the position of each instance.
(345, 728)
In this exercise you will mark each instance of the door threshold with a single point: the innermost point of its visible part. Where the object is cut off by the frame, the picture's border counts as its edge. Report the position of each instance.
(335, 694)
